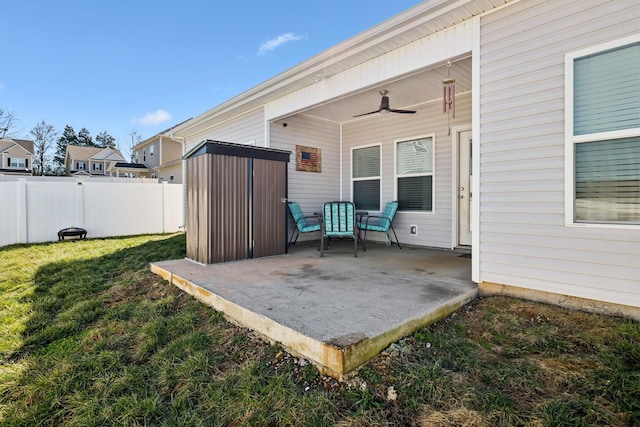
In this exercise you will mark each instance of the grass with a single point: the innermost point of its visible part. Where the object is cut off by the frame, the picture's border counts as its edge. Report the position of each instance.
(88, 336)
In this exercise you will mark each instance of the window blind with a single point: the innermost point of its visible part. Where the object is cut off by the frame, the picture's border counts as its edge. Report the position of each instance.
(366, 162)
(607, 177)
(366, 195)
(415, 193)
(607, 91)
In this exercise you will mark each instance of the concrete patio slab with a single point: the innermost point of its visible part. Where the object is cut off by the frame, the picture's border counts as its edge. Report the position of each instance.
(337, 311)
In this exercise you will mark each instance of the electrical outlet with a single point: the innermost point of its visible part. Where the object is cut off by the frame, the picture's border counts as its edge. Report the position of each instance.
(413, 230)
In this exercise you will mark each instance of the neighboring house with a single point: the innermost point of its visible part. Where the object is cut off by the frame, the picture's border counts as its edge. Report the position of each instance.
(91, 161)
(538, 170)
(162, 156)
(16, 156)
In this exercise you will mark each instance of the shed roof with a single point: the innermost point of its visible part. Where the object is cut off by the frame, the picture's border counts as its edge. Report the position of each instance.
(238, 150)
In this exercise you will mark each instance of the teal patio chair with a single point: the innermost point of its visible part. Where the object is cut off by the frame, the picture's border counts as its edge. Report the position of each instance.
(304, 223)
(339, 220)
(380, 223)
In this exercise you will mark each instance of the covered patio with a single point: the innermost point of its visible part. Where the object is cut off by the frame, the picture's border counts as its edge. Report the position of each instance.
(337, 311)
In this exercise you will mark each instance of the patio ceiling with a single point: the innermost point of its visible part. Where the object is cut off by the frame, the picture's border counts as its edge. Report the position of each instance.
(405, 93)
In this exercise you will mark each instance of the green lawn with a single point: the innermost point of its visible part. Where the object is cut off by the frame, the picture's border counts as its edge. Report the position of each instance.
(88, 336)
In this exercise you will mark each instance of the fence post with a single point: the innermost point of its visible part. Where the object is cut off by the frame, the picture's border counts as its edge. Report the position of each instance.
(79, 204)
(164, 205)
(23, 236)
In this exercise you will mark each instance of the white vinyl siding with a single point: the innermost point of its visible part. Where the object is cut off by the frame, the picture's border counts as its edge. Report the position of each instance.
(239, 130)
(603, 133)
(310, 189)
(524, 239)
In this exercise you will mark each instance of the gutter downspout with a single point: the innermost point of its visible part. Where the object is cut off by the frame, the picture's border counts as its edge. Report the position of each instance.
(184, 179)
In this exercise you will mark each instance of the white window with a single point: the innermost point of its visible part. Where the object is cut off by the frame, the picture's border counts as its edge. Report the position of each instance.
(603, 133)
(80, 166)
(144, 155)
(151, 150)
(16, 162)
(414, 174)
(365, 177)
(97, 166)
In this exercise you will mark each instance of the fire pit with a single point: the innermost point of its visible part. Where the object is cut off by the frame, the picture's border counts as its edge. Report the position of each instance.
(78, 232)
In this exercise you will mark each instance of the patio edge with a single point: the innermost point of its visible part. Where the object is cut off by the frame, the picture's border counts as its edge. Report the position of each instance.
(336, 359)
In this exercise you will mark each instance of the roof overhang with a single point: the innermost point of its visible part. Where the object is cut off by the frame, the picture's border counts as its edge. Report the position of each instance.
(173, 163)
(417, 23)
(127, 167)
(9, 143)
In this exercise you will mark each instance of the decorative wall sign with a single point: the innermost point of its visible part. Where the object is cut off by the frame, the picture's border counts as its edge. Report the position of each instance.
(308, 159)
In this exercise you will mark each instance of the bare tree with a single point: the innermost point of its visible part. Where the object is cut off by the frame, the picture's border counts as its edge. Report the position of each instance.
(135, 140)
(7, 122)
(44, 137)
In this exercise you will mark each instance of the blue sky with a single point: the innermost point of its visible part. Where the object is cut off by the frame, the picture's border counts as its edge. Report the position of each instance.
(119, 66)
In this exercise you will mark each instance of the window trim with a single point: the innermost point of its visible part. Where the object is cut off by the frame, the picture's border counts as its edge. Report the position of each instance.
(379, 177)
(433, 171)
(570, 139)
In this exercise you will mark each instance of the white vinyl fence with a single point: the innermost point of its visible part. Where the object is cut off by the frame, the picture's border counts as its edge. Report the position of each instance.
(34, 211)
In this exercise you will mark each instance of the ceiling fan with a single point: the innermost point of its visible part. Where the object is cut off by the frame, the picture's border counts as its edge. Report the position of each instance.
(384, 107)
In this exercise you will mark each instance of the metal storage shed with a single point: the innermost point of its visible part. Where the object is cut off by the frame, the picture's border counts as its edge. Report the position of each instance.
(236, 202)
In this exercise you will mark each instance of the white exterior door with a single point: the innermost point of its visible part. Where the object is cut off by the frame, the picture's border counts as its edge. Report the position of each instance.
(465, 179)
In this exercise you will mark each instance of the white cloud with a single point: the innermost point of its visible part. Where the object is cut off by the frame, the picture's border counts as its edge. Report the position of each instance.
(154, 118)
(276, 42)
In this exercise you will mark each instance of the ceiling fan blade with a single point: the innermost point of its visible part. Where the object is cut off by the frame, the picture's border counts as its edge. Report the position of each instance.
(402, 111)
(369, 113)
(384, 107)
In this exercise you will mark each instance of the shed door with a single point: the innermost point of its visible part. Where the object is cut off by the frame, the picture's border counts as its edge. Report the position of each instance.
(269, 209)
